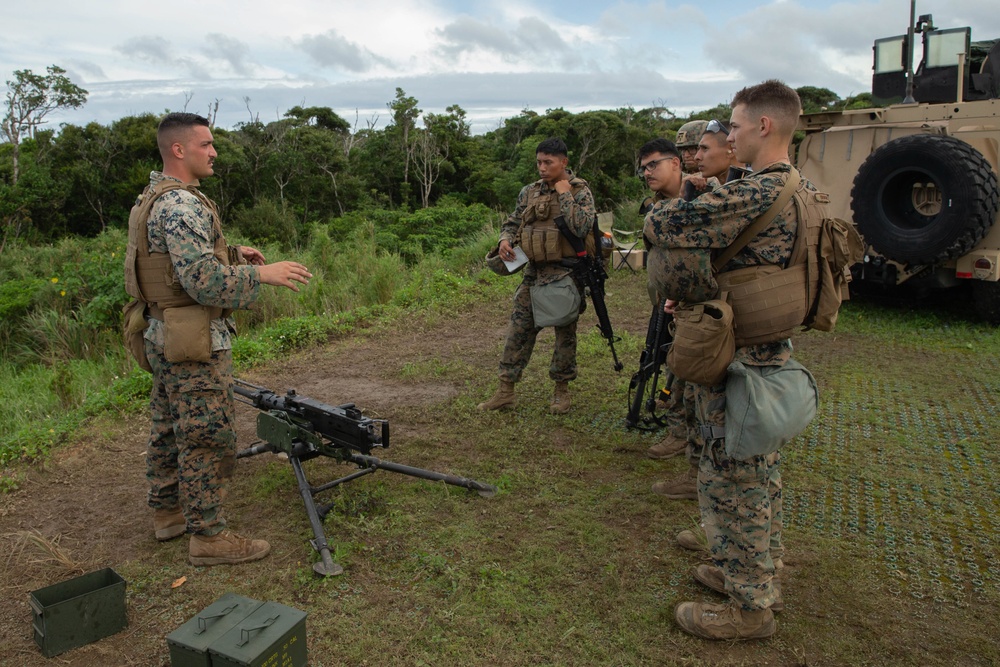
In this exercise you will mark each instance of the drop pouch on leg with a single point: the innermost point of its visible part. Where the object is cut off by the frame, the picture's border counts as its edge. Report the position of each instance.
(187, 334)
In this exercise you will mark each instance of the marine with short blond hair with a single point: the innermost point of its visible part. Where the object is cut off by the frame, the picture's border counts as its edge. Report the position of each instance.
(739, 500)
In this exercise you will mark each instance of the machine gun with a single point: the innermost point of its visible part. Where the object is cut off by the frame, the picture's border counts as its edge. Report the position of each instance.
(651, 360)
(589, 270)
(304, 428)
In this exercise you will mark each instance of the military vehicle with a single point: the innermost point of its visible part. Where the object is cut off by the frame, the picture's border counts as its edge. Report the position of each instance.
(918, 174)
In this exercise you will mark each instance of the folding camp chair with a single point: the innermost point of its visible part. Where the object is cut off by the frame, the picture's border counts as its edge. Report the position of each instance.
(624, 242)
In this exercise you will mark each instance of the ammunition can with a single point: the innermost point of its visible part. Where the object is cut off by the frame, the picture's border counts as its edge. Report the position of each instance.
(273, 635)
(190, 642)
(78, 611)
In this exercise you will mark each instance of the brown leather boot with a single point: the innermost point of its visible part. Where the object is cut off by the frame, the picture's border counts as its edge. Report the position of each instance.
(712, 576)
(682, 487)
(667, 448)
(168, 524)
(226, 548)
(560, 399)
(503, 399)
(724, 621)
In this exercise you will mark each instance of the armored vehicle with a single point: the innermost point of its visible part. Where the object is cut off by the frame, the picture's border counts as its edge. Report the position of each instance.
(918, 174)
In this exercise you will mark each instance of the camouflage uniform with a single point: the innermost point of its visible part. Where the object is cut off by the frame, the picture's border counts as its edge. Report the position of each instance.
(192, 444)
(678, 414)
(579, 212)
(740, 501)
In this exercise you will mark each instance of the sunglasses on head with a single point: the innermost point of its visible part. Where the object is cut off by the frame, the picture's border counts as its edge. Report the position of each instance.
(716, 126)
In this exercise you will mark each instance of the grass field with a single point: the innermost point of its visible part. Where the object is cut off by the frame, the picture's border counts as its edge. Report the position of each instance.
(892, 502)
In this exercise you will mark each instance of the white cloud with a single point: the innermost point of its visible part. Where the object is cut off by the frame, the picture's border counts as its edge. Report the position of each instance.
(486, 55)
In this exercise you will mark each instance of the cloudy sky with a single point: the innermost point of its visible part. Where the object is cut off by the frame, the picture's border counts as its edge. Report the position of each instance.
(491, 57)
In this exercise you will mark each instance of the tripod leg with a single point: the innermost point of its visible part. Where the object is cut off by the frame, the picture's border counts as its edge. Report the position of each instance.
(325, 567)
(484, 490)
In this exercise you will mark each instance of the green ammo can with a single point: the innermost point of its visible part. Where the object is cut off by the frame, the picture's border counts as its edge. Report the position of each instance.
(189, 643)
(78, 611)
(272, 636)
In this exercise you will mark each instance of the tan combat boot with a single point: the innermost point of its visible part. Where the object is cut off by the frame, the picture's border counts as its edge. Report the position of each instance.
(712, 576)
(504, 399)
(667, 448)
(682, 487)
(694, 541)
(168, 524)
(560, 399)
(226, 548)
(724, 621)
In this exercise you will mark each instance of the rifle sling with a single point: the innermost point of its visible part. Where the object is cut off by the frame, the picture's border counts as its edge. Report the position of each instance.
(575, 241)
(762, 221)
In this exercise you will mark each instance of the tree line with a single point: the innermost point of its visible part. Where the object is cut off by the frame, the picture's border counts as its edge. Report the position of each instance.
(275, 179)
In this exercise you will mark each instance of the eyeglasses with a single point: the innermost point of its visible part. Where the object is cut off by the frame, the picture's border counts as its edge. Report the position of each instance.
(651, 165)
(716, 126)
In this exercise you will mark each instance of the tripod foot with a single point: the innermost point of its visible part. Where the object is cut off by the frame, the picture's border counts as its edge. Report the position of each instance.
(325, 570)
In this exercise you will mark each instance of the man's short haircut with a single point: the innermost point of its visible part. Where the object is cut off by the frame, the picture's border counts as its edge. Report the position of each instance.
(553, 146)
(173, 125)
(773, 99)
(664, 146)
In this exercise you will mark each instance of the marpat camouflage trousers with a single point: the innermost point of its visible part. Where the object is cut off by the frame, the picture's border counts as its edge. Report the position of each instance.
(740, 503)
(192, 442)
(521, 335)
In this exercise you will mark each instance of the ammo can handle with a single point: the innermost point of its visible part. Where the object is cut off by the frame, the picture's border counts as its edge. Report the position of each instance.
(245, 632)
(202, 620)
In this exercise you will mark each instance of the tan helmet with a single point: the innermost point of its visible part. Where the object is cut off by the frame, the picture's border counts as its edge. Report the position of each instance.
(690, 133)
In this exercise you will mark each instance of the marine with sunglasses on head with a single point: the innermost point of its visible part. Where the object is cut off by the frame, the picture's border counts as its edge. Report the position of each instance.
(716, 161)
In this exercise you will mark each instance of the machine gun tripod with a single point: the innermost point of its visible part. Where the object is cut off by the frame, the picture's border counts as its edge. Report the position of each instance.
(304, 429)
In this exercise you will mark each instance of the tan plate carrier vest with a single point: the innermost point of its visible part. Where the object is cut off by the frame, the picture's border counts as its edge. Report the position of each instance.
(539, 236)
(769, 302)
(150, 277)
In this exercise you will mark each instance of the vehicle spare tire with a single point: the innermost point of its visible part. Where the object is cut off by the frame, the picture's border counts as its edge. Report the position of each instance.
(924, 198)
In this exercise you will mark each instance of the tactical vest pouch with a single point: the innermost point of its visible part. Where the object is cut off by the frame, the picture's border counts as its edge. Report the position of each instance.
(767, 406)
(704, 343)
(768, 302)
(187, 334)
(134, 328)
(545, 244)
(555, 304)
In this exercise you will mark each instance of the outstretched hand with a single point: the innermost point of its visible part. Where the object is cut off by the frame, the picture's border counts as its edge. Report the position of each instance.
(284, 274)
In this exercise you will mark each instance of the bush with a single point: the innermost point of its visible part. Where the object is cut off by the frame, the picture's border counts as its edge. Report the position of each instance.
(267, 222)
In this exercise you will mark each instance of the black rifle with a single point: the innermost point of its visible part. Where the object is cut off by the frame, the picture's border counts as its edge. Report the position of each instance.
(589, 270)
(651, 360)
(304, 429)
